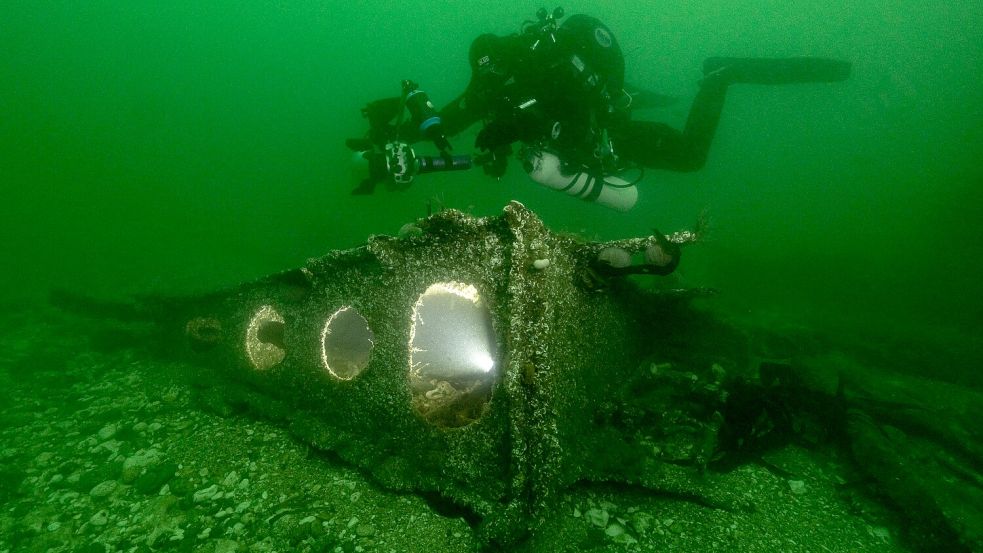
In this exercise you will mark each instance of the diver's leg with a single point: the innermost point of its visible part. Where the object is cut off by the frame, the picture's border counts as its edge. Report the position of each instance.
(777, 71)
(702, 121)
(650, 144)
(659, 146)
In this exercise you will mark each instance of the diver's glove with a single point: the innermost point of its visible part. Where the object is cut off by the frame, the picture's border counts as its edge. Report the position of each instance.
(494, 162)
(495, 142)
(496, 134)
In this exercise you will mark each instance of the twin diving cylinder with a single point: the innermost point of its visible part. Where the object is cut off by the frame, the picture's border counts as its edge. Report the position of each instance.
(611, 191)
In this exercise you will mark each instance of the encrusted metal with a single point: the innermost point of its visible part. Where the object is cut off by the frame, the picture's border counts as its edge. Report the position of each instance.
(568, 362)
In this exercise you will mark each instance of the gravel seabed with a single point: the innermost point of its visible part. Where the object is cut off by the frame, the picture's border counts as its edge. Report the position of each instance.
(105, 449)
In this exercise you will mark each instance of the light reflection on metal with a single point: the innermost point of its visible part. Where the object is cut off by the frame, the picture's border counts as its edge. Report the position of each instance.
(452, 355)
(264, 338)
(346, 343)
(203, 333)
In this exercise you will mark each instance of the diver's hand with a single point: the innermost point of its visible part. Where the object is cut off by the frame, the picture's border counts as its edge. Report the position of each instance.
(496, 134)
(495, 162)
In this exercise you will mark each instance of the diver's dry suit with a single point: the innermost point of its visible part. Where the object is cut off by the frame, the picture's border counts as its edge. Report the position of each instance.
(564, 97)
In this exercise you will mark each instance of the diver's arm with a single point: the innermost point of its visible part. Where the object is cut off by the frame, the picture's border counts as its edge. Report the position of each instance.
(459, 114)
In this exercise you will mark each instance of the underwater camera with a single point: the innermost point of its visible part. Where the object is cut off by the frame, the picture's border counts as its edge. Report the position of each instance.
(387, 148)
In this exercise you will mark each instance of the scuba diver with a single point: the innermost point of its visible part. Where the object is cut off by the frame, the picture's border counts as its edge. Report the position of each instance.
(558, 90)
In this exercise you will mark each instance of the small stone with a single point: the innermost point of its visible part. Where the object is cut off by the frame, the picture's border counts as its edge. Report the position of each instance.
(576, 513)
(598, 517)
(205, 494)
(134, 465)
(140, 427)
(364, 530)
(155, 426)
(99, 519)
(171, 395)
(541, 264)
(624, 538)
(880, 532)
(641, 522)
(108, 431)
(54, 526)
(798, 487)
(104, 489)
(614, 530)
(231, 479)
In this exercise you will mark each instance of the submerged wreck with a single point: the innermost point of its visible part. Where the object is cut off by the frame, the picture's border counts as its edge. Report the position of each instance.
(481, 363)
(470, 361)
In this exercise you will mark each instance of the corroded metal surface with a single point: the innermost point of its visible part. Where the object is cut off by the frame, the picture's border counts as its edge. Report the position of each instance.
(569, 363)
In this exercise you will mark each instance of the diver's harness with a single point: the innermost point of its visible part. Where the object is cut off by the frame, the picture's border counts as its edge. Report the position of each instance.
(391, 157)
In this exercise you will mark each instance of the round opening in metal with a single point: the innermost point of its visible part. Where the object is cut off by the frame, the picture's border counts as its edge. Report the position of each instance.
(346, 343)
(264, 338)
(452, 354)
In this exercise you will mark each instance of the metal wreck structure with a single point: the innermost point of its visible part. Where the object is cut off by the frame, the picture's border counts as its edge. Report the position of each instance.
(471, 360)
(486, 365)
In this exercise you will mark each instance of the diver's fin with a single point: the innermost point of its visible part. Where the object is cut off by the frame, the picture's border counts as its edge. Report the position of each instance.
(776, 70)
(646, 99)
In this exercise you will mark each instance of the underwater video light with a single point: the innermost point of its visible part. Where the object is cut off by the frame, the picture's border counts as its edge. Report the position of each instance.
(452, 349)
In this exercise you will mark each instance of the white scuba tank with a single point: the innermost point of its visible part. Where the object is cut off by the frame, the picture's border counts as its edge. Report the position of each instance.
(614, 192)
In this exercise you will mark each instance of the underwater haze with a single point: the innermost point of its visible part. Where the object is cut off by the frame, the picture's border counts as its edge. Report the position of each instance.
(175, 146)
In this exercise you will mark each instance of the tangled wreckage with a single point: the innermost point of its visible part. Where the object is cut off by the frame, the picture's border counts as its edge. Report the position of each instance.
(481, 363)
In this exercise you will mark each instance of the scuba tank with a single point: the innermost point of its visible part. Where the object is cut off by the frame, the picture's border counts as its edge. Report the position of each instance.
(610, 191)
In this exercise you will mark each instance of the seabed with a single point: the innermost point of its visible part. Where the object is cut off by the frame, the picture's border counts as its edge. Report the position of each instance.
(682, 435)
(117, 455)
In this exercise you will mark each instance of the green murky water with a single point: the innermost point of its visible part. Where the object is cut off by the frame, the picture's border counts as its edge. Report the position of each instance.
(173, 147)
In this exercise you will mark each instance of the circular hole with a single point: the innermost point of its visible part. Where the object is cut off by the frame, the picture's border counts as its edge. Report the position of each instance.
(264, 338)
(204, 333)
(452, 353)
(346, 343)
